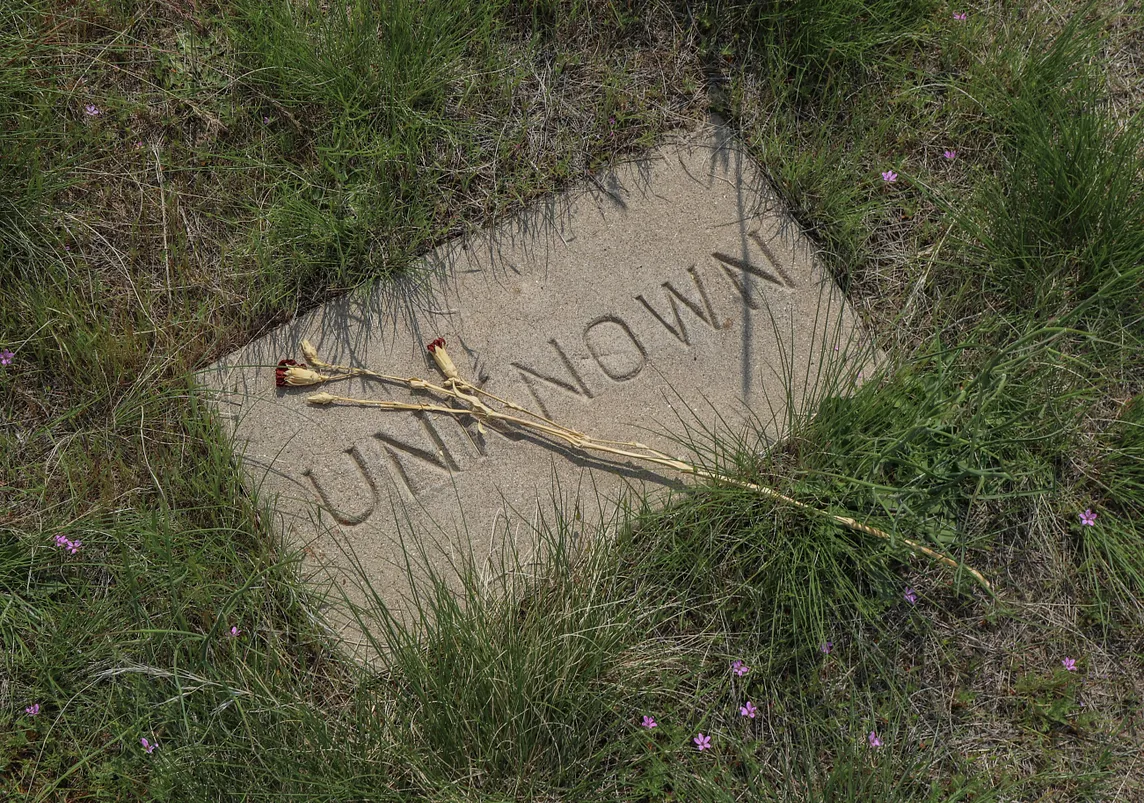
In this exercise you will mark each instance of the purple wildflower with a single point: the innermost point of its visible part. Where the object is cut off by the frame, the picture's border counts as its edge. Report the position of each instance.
(748, 710)
(960, 16)
(67, 544)
(147, 745)
(6, 357)
(1088, 518)
(1069, 664)
(32, 710)
(910, 596)
(235, 632)
(950, 154)
(889, 176)
(702, 742)
(648, 722)
(740, 668)
(826, 647)
(91, 110)
(873, 740)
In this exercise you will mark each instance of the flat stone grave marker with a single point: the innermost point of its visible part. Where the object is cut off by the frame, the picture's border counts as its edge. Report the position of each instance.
(663, 301)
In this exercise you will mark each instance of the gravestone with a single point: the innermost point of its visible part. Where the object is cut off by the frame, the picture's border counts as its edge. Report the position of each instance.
(664, 301)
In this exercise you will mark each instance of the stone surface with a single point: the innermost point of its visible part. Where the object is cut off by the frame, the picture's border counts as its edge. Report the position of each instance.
(660, 302)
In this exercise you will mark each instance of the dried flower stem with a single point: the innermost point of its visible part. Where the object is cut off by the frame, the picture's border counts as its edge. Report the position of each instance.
(458, 388)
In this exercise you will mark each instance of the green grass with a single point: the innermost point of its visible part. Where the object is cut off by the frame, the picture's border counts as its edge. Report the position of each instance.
(289, 151)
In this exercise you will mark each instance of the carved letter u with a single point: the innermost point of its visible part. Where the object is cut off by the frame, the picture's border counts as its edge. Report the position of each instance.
(339, 516)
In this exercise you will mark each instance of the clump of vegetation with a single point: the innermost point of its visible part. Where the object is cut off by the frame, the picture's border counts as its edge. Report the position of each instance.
(176, 182)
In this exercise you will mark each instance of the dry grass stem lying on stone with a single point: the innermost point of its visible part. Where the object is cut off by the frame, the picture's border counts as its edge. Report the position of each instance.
(456, 387)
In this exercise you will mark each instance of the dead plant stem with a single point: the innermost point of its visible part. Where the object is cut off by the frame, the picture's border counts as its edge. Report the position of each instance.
(460, 389)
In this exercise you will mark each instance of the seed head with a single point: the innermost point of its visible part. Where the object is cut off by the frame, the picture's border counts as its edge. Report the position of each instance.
(310, 352)
(298, 375)
(319, 398)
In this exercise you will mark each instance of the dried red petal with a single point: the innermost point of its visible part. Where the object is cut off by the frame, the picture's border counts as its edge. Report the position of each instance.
(434, 344)
(280, 371)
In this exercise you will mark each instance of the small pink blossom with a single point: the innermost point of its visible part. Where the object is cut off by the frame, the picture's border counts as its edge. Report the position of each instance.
(1069, 664)
(950, 154)
(91, 110)
(1088, 518)
(748, 710)
(910, 596)
(67, 544)
(889, 176)
(648, 722)
(235, 632)
(6, 357)
(873, 740)
(32, 710)
(826, 647)
(150, 748)
(960, 16)
(740, 668)
(702, 742)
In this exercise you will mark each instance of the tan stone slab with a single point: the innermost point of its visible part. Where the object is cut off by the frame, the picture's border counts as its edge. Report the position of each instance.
(644, 306)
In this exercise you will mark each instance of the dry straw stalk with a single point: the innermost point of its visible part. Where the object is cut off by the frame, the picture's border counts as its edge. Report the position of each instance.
(457, 388)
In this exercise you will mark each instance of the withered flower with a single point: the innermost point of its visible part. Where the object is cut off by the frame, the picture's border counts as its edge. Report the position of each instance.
(280, 371)
(441, 357)
(295, 374)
